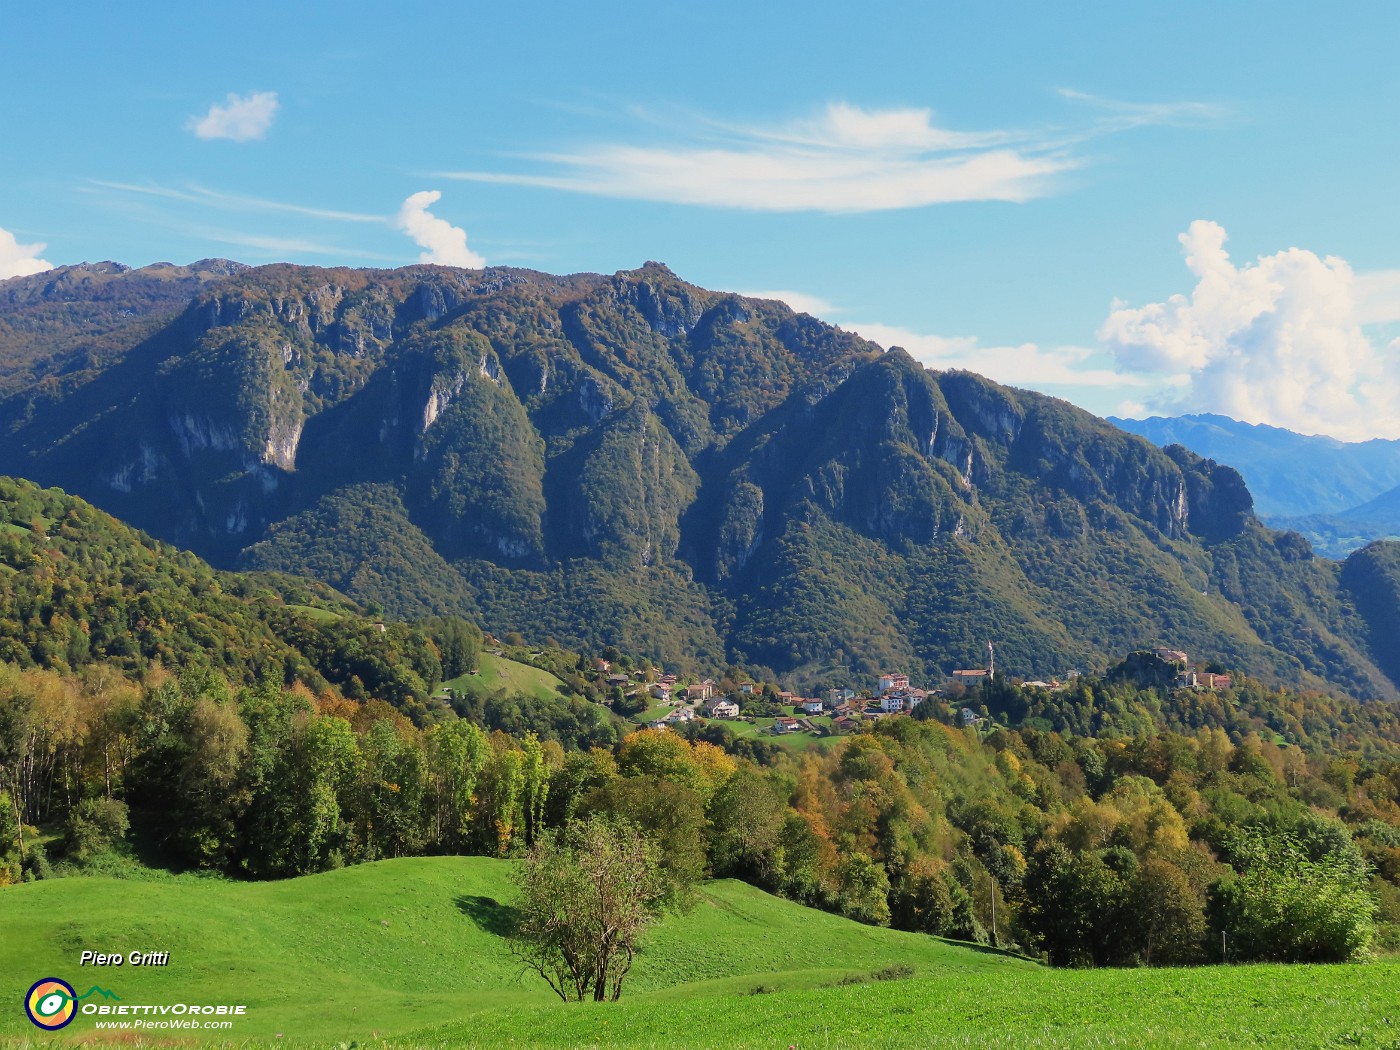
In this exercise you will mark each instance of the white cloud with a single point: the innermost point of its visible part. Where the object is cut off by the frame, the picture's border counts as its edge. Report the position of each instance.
(1124, 115)
(847, 159)
(283, 246)
(20, 260)
(799, 301)
(1279, 341)
(240, 119)
(195, 194)
(1026, 365)
(444, 243)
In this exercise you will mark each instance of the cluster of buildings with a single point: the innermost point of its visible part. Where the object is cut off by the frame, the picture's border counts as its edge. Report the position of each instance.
(1186, 678)
(893, 695)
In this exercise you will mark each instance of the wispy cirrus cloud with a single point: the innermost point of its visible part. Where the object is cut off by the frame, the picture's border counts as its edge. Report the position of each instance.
(845, 159)
(442, 242)
(196, 194)
(242, 118)
(1120, 115)
(281, 246)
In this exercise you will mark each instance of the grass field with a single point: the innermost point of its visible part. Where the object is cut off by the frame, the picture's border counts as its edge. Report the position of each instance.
(800, 741)
(496, 672)
(408, 953)
(311, 612)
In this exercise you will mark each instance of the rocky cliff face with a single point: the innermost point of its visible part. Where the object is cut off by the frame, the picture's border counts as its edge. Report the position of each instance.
(637, 443)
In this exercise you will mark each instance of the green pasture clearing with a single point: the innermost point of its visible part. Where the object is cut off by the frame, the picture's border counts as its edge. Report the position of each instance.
(382, 949)
(759, 728)
(497, 672)
(408, 953)
(998, 1006)
(653, 712)
(311, 612)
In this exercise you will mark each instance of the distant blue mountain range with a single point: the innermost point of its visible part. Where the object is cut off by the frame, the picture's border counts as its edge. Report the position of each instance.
(1341, 495)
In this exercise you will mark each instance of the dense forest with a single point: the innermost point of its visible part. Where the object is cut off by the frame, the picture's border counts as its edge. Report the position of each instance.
(1133, 845)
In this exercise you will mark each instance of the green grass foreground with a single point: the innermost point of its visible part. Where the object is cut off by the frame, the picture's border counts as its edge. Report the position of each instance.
(408, 953)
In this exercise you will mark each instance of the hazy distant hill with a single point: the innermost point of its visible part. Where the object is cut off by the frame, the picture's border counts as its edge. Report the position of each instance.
(690, 474)
(1340, 495)
(1287, 473)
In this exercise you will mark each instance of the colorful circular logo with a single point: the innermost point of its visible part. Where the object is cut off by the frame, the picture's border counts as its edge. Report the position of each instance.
(51, 1003)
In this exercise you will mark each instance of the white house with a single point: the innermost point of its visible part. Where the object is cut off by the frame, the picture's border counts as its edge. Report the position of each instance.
(893, 681)
(812, 707)
(722, 708)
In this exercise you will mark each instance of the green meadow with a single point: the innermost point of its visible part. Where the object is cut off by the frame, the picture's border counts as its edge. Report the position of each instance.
(497, 672)
(409, 953)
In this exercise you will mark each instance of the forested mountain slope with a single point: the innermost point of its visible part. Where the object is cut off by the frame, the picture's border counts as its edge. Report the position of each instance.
(689, 474)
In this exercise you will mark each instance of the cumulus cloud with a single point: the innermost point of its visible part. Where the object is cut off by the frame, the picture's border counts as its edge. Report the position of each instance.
(241, 118)
(443, 243)
(1279, 341)
(20, 260)
(1026, 365)
(846, 159)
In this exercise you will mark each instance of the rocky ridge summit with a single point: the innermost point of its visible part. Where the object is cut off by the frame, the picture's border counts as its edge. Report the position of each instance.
(690, 474)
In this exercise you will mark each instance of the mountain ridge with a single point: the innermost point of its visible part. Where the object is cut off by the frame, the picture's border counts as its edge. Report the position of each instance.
(690, 474)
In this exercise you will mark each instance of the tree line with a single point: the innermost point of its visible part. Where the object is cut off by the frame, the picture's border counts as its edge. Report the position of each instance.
(1089, 851)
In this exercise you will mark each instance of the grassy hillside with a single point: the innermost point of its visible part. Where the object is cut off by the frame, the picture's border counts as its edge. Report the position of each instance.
(389, 947)
(497, 672)
(409, 951)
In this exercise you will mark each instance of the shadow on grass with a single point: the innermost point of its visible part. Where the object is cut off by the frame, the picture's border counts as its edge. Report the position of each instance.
(489, 914)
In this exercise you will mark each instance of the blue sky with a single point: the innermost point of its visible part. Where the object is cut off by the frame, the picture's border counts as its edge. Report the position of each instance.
(1169, 207)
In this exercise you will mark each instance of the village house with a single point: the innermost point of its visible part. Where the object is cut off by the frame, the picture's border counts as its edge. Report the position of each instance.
(812, 707)
(602, 665)
(784, 725)
(1170, 656)
(968, 717)
(700, 693)
(893, 683)
(661, 691)
(722, 708)
(680, 714)
(1214, 681)
(844, 724)
(618, 680)
(748, 688)
(851, 708)
(891, 703)
(969, 679)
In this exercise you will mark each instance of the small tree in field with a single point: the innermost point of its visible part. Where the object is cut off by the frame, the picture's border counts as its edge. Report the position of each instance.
(586, 896)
